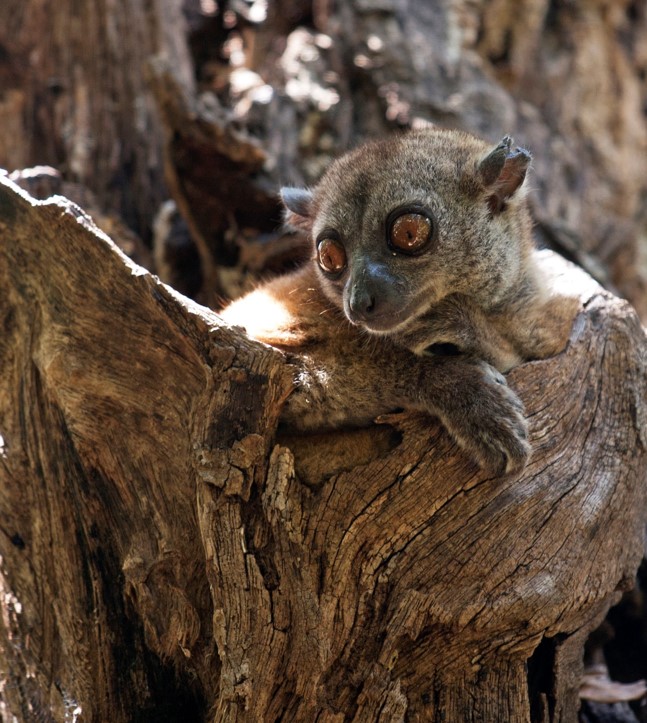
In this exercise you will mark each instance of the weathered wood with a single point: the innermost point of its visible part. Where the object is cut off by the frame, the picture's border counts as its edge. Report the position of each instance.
(161, 553)
(74, 95)
(119, 402)
(210, 168)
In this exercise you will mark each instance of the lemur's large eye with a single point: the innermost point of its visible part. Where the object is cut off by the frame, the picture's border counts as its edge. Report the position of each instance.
(410, 231)
(331, 255)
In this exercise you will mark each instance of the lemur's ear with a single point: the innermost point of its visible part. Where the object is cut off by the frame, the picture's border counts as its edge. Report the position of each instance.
(503, 171)
(298, 202)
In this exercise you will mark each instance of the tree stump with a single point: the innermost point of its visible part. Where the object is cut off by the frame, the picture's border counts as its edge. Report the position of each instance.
(166, 557)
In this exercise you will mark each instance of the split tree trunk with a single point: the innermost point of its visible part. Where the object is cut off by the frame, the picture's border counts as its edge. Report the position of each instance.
(163, 558)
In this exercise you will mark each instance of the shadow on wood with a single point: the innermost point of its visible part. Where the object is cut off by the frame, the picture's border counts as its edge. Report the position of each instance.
(164, 557)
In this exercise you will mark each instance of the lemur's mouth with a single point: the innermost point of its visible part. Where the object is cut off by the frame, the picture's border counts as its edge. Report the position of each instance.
(383, 321)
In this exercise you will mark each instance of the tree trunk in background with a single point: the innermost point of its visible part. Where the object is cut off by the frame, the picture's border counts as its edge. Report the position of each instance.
(568, 79)
(73, 95)
(163, 556)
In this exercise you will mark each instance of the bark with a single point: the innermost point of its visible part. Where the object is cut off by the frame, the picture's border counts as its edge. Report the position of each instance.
(162, 552)
(211, 169)
(73, 95)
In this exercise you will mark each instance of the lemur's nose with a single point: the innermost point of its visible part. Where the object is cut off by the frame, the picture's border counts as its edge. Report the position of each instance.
(362, 303)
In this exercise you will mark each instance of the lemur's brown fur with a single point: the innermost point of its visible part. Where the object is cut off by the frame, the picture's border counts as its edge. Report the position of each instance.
(429, 330)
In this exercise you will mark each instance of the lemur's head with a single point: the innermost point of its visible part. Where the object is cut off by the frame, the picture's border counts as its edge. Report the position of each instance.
(399, 224)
